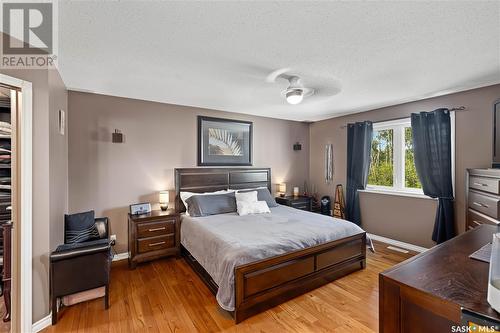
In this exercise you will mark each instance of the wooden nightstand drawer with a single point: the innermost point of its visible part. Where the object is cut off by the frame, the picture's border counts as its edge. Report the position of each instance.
(157, 228)
(304, 205)
(153, 236)
(299, 202)
(155, 243)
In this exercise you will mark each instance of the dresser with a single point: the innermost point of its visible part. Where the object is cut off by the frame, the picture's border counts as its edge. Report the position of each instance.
(152, 236)
(482, 197)
(427, 293)
(299, 202)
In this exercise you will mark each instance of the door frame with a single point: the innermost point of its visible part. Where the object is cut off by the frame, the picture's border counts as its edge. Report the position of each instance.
(22, 240)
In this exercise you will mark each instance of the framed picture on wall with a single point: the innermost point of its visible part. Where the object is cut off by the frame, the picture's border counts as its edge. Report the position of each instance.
(224, 142)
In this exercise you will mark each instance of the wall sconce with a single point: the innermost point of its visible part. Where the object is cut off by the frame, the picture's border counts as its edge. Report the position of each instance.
(282, 189)
(297, 146)
(164, 199)
(117, 137)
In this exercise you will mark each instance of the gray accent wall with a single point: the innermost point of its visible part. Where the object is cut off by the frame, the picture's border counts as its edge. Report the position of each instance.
(108, 177)
(410, 219)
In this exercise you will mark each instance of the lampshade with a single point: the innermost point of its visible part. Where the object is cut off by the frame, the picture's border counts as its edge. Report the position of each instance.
(282, 188)
(164, 197)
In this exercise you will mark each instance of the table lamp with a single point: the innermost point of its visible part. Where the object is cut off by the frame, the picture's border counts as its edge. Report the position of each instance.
(164, 199)
(282, 189)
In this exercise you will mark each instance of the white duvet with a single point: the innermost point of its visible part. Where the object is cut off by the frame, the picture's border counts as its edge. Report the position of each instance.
(222, 242)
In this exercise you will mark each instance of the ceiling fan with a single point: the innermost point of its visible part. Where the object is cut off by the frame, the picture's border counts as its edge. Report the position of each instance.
(296, 91)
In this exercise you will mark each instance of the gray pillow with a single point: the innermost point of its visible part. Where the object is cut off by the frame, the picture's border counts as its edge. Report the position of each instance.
(263, 195)
(205, 205)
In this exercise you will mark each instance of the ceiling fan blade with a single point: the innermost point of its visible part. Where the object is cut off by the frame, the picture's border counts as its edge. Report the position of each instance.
(307, 92)
(279, 73)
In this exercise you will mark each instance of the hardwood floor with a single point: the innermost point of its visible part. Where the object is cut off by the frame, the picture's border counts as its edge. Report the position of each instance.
(167, 296)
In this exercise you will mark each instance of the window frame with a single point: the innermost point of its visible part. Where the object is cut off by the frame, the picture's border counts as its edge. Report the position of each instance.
(398, 126)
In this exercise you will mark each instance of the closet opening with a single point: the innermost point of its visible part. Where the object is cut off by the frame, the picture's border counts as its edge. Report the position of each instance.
(9, 98)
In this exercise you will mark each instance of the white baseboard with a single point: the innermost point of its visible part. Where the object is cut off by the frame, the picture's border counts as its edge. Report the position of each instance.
(397, 243)
(120, 256)
(42, 323)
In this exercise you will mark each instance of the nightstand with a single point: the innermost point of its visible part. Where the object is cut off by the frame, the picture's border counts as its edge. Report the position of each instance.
(152, 236)
(299, 202)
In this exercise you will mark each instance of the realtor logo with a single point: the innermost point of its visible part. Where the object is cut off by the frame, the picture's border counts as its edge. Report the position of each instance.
(27, 28)
(29, 34)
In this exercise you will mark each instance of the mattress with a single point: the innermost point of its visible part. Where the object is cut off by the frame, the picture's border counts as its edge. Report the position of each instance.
(222, 242)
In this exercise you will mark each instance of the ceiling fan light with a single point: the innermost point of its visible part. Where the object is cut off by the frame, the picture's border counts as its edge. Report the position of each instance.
(294, 96)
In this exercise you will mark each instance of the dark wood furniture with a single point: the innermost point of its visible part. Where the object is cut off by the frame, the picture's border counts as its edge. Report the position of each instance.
(5, 251)
(5, 214)
(426, 293)
(152, 236)
(496, 134)
(77, 267)
(266, 283)
(7, 264)
(482, 197)
(299, 202)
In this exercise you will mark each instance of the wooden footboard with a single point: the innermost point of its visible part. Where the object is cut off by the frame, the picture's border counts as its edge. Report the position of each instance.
(266, 283)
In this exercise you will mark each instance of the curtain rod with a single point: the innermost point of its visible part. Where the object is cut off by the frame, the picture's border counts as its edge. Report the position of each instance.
(457, 108)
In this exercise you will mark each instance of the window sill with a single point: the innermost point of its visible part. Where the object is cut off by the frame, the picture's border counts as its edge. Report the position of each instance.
(396, 193)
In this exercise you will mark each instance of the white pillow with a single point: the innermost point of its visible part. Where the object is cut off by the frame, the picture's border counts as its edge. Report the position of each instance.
(246, 196)
(255, 207)
(186, 195)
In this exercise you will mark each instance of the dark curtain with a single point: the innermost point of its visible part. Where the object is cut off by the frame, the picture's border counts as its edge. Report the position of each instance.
(359, 140)
(432, 148)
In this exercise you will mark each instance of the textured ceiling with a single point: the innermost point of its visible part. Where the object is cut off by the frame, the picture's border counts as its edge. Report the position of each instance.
(217, 54)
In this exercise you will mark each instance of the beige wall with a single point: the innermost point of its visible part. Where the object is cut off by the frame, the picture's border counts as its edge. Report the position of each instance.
(410, 219)
(50, 180)
(49, 94)
(159, 137)
(58, 159)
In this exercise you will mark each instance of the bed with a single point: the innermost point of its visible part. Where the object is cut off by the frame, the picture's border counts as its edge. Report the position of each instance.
(255, 262)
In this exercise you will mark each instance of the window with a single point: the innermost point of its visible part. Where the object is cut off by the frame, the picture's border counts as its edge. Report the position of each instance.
(392, 167)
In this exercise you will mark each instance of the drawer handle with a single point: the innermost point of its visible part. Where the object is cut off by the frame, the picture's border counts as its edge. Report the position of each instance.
(476, 222)
(481, 184)
(157, 229)
(156, 244)
(480, 204)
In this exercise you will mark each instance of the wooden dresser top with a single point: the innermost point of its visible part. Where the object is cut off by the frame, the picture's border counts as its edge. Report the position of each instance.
(447, 272)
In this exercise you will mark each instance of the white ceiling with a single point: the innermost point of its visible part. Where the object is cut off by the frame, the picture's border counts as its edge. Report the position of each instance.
(217, 54)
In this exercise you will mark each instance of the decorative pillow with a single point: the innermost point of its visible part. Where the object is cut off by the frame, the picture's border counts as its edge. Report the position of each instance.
(80, 227)
(246, 196)
(186, 195)
(204, 205)
(263, 194)
(255, 207)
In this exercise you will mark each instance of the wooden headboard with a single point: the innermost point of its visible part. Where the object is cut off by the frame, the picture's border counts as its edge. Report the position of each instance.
(215, 179)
